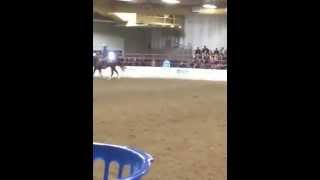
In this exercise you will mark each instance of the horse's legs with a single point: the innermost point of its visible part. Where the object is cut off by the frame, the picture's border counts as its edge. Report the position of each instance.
(115, 70)
(111, 72)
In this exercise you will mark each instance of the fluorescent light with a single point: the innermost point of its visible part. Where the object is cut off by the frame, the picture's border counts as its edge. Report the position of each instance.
(162, 24)
(171, 1)
(212, 11)
(126, 0)
(209, 6)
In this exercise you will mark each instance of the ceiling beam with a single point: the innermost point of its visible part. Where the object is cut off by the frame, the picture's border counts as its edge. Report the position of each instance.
(105, 7)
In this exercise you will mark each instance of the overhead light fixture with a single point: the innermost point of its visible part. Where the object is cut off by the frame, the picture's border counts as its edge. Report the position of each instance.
(130, 18)
(160, 23)
(209, 4)
(171, 1)
(209, 11)
(163, 24)
(126, 0)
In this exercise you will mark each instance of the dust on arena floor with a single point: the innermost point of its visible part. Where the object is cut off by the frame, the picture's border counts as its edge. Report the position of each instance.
(182, 123)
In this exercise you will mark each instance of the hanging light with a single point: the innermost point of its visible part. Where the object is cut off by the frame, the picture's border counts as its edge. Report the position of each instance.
(209, 4)
(171, 1)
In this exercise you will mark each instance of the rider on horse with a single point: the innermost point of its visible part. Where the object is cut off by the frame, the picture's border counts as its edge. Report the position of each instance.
(107, 59)
(104, 52)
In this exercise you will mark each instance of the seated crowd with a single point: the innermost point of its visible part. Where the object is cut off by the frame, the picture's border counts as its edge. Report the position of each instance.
(213, 59)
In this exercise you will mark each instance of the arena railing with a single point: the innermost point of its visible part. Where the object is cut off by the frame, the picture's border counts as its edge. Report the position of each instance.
(184, 61)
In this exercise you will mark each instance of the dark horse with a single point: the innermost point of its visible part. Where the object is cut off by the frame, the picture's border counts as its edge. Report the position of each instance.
(99, 64)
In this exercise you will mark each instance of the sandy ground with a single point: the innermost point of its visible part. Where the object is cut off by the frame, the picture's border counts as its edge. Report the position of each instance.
(181, 123)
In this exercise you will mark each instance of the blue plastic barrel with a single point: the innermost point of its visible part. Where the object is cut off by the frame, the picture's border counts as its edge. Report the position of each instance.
(139, 161)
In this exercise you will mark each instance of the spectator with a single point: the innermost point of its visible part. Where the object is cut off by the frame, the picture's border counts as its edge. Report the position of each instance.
(216, 52)
(198, 51)
(221, 53)
(210, 53)
(215, 57)
(211, 57)
(221, 50)
(205, 51)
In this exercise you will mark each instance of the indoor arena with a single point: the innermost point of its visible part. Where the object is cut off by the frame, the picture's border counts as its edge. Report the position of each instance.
(160, 88)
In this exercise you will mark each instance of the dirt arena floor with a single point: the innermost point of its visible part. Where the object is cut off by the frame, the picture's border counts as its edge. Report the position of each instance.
(181, 123)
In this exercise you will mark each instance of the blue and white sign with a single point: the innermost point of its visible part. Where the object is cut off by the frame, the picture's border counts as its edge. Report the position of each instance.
(166, 63)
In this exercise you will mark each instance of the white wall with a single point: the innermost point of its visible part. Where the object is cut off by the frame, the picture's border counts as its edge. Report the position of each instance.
(104, 33)
(209, 30)
(160, 36)
(131, 40)
(136, 39)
